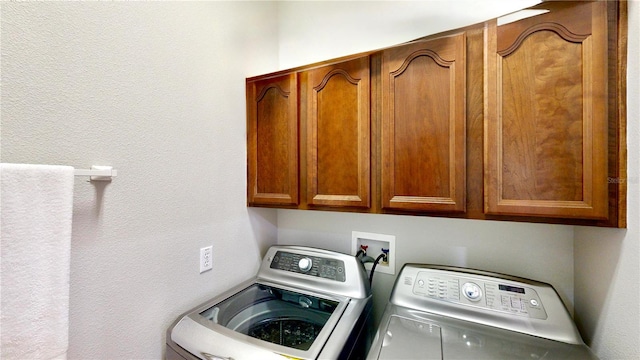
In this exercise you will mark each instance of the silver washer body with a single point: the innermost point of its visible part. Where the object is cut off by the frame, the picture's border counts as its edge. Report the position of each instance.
(308, 285)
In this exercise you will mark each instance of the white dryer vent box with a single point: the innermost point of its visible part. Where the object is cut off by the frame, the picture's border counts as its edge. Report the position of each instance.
(375, 243)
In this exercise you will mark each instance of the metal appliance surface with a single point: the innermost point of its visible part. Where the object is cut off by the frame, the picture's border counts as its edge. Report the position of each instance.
(304, 303)
(443, 312)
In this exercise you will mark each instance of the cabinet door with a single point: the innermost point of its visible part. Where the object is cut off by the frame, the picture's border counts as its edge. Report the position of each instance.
(423, 126)
(272, 134)
(338, 134)
(546, 113)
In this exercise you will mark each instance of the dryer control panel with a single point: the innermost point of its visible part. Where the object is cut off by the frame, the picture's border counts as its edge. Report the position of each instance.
(317, 266)
(482, 297)
(505, 296)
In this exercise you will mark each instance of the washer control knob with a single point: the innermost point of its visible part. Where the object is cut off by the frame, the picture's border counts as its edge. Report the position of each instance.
(472, 291)
(305, 264)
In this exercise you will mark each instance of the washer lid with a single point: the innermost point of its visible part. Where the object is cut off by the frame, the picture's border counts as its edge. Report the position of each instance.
(281, 320)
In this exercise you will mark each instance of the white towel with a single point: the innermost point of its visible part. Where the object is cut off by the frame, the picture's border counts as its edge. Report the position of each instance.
(36, 207)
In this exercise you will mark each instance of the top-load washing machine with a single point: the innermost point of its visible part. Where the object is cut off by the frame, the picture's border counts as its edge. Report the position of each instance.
(438, 312)
(304, 303)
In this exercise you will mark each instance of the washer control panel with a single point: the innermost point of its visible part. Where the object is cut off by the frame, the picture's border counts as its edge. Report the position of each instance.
(505, 297)
(317, 266)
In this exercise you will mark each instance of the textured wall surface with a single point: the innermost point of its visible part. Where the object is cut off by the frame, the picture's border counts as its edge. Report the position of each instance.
(155, 89)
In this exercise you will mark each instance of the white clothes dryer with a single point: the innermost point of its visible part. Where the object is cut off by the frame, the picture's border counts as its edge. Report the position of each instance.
(442, 312)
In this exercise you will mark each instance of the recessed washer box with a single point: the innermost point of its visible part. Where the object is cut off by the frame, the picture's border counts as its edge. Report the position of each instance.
(375, 243)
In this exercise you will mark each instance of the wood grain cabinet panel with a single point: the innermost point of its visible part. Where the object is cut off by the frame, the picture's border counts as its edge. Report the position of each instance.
(518, 121)
(423, 126)
(272, 139)
(338, 134)
(546, 114)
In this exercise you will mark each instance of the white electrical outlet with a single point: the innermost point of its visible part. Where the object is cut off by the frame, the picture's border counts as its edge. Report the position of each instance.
(206, 258)
(375, 243)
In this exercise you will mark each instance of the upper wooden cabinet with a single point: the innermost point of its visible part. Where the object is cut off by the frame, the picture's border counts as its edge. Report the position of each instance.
(272, 141)
(423, 125)
(522, 121)
(338, 134)
(546, 125)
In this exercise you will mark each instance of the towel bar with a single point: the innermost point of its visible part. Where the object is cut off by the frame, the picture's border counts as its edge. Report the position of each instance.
(97, 173)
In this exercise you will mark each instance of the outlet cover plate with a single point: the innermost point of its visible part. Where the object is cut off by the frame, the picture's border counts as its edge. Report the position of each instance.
(206, 259)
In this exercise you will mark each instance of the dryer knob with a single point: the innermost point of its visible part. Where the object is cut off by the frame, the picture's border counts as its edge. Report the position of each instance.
(305, 264)
(472, 291)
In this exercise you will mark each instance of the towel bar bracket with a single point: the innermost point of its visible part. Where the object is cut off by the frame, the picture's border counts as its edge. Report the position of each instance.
(98, 173)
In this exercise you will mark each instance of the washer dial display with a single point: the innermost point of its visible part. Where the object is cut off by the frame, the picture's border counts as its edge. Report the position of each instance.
(326, 268)
(305, 264)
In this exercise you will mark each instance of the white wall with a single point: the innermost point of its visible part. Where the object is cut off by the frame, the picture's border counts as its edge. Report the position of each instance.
(538, 251)
(312, 31)
(607, 261)
(155, 89)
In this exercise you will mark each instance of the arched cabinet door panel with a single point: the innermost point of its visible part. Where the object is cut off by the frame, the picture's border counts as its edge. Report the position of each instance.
(546, 125)
(338, 134)
(272, 141)
(423, 126)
